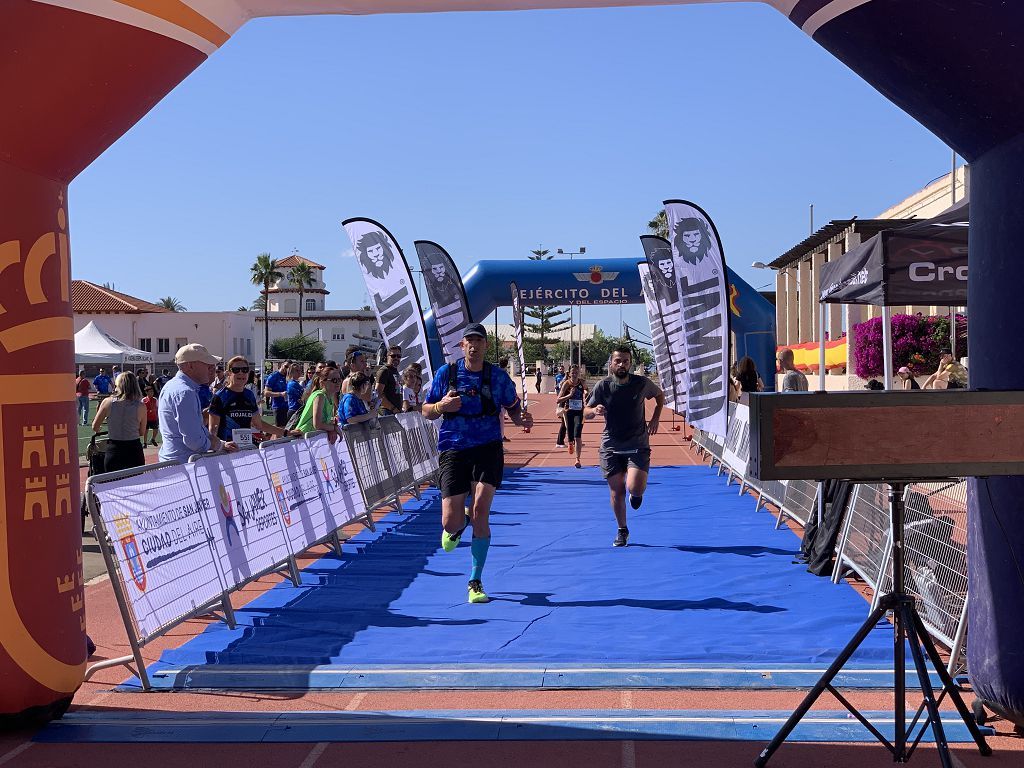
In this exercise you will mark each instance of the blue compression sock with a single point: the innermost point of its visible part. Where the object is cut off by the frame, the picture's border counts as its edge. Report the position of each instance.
(479, 550)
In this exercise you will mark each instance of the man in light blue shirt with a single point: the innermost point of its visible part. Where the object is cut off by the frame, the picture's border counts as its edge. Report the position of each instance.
(181, 415)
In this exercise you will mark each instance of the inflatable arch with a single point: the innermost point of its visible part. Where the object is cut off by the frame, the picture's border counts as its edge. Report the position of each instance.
(78, 73)
(606, 282)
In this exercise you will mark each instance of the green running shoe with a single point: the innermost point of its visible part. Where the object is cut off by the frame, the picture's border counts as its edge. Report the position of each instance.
(477, 594)
(449, 541)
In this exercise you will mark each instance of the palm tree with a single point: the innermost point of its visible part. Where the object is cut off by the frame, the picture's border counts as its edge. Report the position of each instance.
(259, 303)
(302, 277)
(264, 272)
(242, 308)
(659, 224)
(171, 303)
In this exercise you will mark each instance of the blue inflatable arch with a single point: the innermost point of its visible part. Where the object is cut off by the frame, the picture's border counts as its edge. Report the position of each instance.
(606, 282)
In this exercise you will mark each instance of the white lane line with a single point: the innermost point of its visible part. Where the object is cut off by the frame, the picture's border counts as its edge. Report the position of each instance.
(4, 759)
(526, 670)
(314, 755)
(356, 701)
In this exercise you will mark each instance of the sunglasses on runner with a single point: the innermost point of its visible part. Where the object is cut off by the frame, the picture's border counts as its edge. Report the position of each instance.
(333, 380)
(239, 369)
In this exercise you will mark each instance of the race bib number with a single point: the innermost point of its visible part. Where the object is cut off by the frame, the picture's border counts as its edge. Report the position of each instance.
(242, 437)
(575, 405)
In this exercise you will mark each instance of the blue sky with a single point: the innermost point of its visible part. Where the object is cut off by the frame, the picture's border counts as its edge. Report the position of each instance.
(490, 133)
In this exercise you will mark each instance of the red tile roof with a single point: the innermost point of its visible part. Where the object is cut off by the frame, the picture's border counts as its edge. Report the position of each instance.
(89, 298)
(294, 260)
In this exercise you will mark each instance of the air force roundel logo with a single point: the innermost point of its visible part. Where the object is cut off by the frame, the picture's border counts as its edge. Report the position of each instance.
(595, 276)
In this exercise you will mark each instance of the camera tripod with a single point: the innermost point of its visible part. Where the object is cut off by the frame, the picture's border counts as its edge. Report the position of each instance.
(907, 628)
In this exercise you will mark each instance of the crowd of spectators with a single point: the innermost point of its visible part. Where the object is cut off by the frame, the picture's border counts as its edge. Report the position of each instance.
(950, 374)
(209, 405)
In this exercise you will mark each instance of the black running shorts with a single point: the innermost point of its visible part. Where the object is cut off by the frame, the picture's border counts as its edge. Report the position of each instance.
(616, 463)
(481, 464)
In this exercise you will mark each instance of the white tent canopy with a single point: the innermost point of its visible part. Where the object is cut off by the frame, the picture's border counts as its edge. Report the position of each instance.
(94, 345)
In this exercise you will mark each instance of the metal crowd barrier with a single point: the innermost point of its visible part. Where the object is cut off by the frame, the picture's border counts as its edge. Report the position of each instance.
(166, 524)
(799, 501)
(864, 544)
(178, 539)
(935, 562)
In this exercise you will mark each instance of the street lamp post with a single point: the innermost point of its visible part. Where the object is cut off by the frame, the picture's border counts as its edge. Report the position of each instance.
(570, 254)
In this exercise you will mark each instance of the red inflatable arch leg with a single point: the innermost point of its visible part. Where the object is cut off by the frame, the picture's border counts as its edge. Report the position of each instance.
(71, 84)
(42, 611)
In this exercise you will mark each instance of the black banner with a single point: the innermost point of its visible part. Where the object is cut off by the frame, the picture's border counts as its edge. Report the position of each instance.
(447, 296)
(661, 267)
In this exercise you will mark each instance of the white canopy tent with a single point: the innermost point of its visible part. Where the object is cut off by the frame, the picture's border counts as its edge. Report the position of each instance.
(94, 345)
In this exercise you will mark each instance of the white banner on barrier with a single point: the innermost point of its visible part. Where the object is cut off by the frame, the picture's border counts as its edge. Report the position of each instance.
(736, 452)
(248, 535)
(339, 486)
(422, 444)
(296, 492)
(161, 545)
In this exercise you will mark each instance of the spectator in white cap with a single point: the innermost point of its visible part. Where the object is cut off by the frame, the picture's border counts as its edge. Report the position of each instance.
(181, 415)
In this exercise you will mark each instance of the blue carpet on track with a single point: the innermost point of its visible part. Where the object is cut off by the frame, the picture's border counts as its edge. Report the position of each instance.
(706, 579)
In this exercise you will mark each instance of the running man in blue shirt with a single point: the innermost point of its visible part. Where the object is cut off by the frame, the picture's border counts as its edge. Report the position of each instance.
(468, 395)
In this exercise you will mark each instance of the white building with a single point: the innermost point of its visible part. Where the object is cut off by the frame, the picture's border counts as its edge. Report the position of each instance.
(154, 329)
(338, 329)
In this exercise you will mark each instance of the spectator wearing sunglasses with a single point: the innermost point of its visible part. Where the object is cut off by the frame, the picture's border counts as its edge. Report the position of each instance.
(389, 387)
(235, 412)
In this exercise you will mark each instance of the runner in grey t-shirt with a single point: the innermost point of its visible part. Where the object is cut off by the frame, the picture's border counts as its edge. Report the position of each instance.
(625, 448)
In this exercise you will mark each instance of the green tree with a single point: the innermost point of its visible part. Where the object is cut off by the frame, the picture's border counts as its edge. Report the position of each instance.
(259, 304)
(549, 319)
(533, 351)
(242, 309)
(171, 303)
(265, 271)
(659, 224)
(297, 347)
(561, 351)
(302, 277)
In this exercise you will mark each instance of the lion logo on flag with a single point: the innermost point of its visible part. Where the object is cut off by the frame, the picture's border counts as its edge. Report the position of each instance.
(692, 240)
(374, 253)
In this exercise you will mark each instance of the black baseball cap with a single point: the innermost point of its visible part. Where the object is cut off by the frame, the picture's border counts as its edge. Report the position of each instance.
(474, 329)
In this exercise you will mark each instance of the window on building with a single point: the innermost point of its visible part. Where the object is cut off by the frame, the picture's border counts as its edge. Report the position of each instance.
(146, 345)
(163, 346)
(310, 305)
(290, 305)
(374, 334)
(248, 348)
(234, 345)
(337, 334)
(180, 342)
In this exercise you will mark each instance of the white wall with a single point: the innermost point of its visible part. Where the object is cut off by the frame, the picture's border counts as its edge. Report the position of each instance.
(223, 333)
(334, 349)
